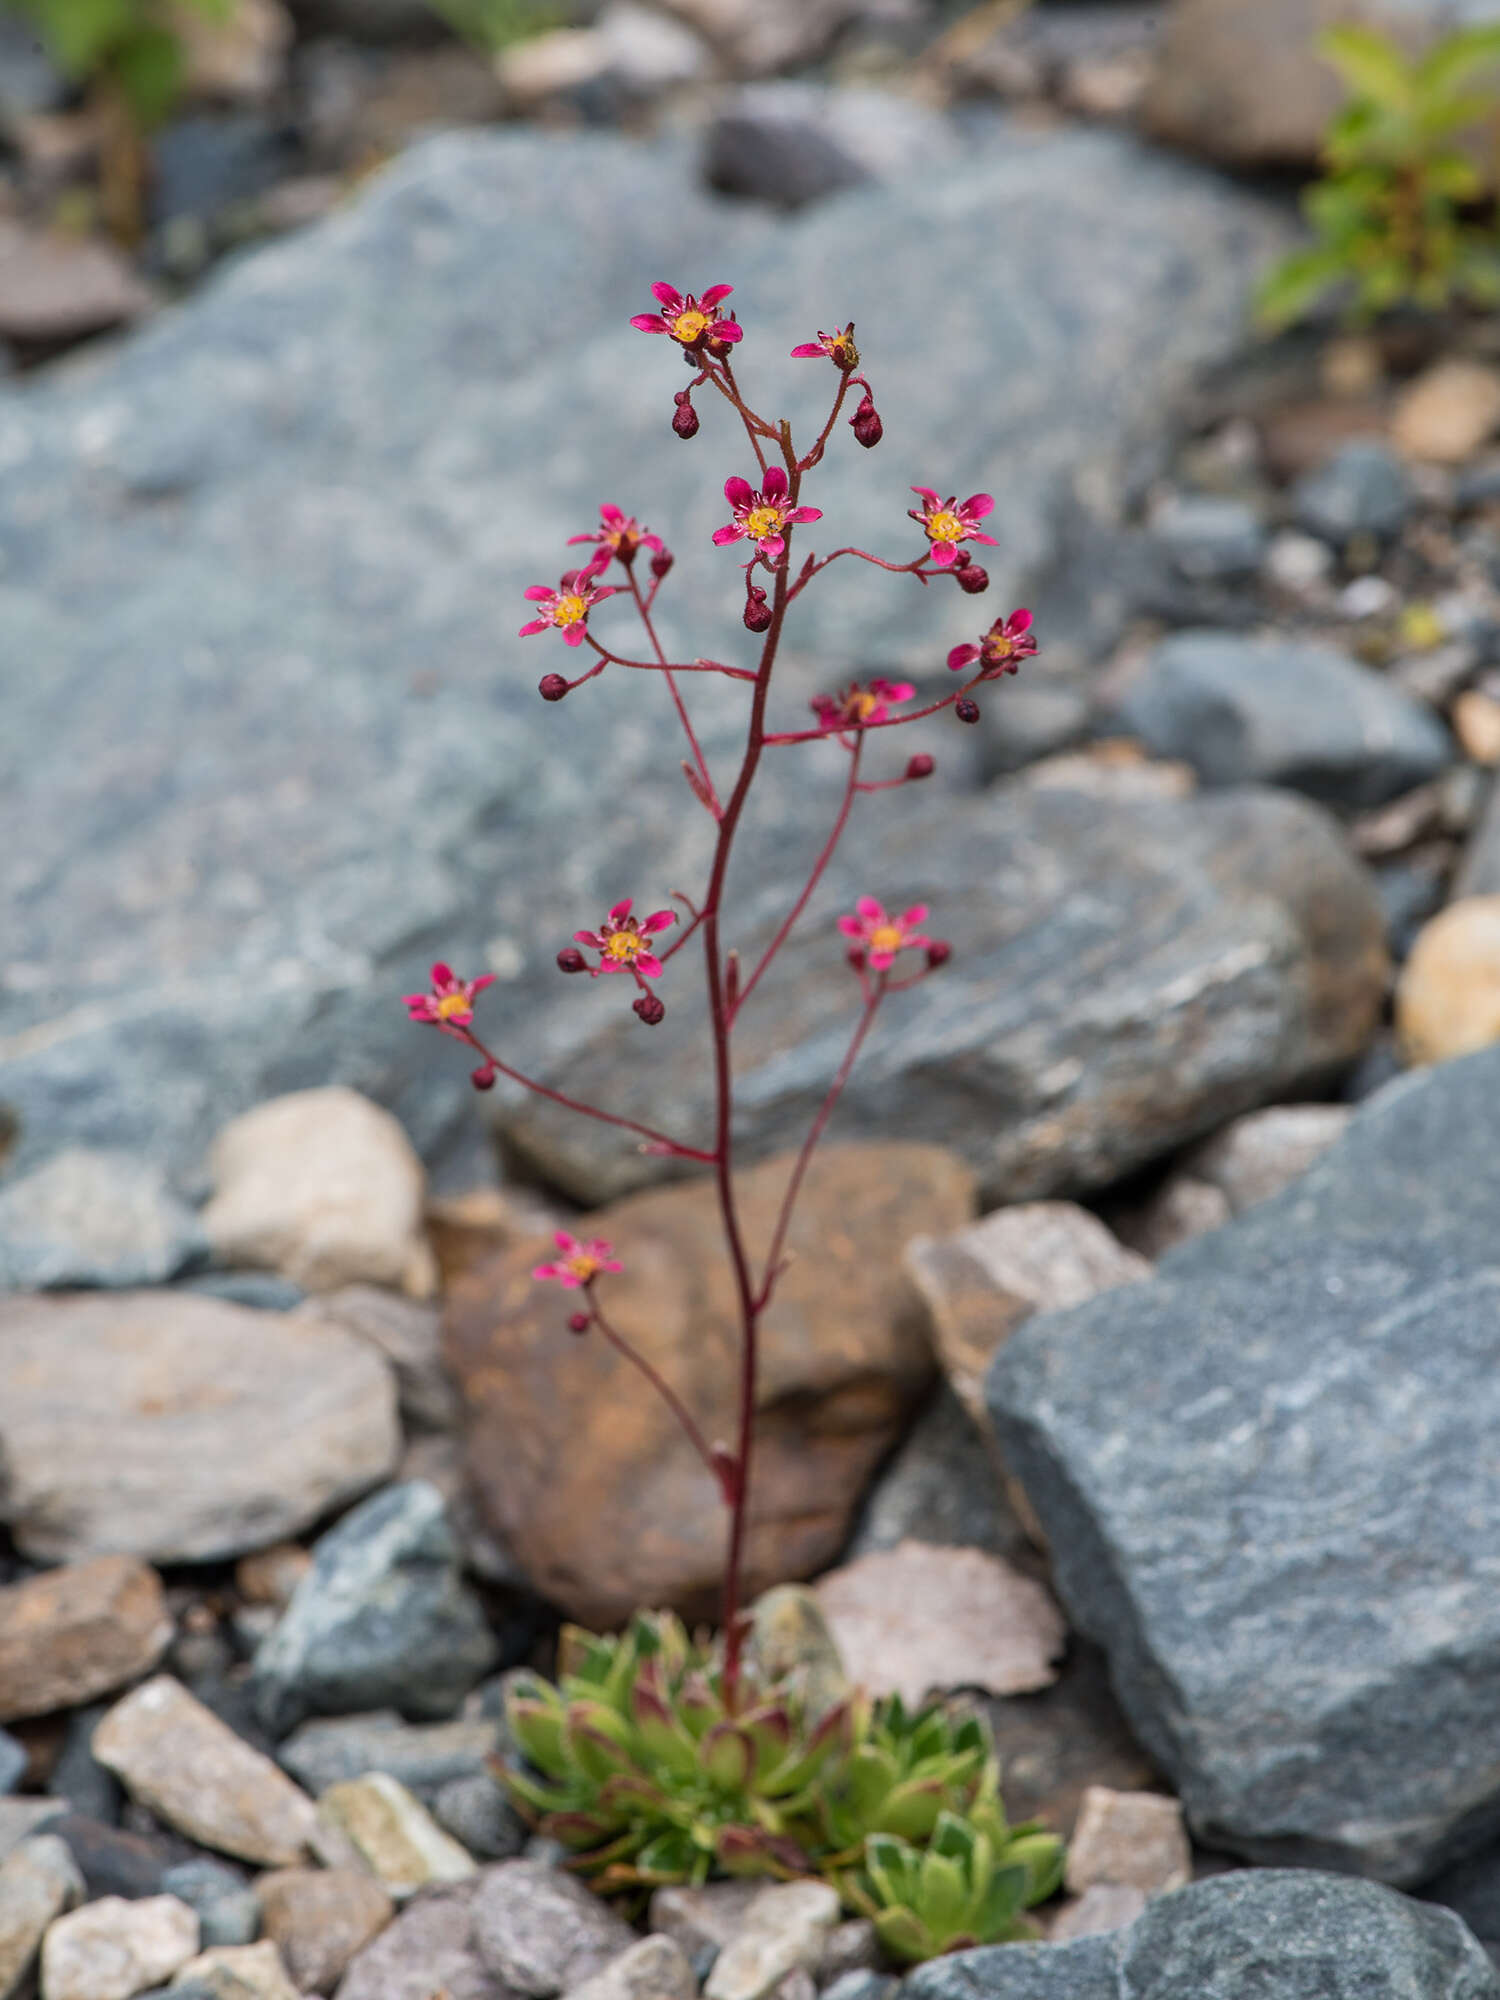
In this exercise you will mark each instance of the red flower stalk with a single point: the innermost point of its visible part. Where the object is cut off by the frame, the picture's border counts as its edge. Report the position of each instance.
(854, 704)
(948, 522)
(450, 1003)
(580, 1263)
(620, 534)
(880, 936)
(839, 347)
(1001, 650)
(568, 606)
(622, 942)
(762, 517)
(690, 321)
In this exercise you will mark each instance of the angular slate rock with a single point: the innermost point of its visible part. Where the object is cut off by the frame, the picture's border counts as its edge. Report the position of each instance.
(271, 745)
(382, 1617)
(94, 1217)
(1269, 1482)
(1280, 711)
(1287, 1935)
(1125, 975)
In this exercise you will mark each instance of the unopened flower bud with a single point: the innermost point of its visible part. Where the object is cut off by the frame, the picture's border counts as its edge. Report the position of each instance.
(966, 710)
(757, 611)
(649, 1009)
(920, 766)
(579, 1322)
(552, 687)
(866, 424)
(684, 417)
(972, 578)
(571, 959)
(483, 1078)
(856, 956)
(938, 953)
(661, 562)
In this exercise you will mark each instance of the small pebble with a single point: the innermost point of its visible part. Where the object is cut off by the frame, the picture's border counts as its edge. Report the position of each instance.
(111, 1949)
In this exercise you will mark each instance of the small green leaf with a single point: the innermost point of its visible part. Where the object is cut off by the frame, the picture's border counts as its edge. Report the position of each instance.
(1041, 1855)
(943, 1897)
(727, 1756)
(905, 1936)
(1370, 63)
(1456, 58)
(999, 1903)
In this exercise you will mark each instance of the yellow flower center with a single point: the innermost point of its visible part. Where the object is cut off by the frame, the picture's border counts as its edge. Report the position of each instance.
(452, 1007)
(860, 704)
(762, 521)
(945, 527)
(583, 1266)
(886, 937)
(570, 610)
(689, 327)
(842, 350)
(626, 946)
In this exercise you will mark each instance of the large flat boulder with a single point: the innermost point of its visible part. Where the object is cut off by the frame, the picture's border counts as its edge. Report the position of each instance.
(1269, 1483)
(271, 745)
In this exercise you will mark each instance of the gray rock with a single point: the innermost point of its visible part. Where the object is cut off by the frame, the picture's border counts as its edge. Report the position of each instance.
(38, 1881)
(423, 1756)
(1126, 974)
(29, 80)
(1479, 873)
(94, 1217)
(861, 1986)
(942, 1486)
(1472, 1888)
(541, 1931)
(429, 1948)
(228, 541)
(111, 1861)
(407, 1333)
(1266, 1479)
(228, 1908)
(476, 1811)
(1280, 711)
(263, 1290)
(13, 1761)
(21, 1817)
(1210, 537)
(1364, 489)
(1295, 1935)
(791, 143)
(383, 1616)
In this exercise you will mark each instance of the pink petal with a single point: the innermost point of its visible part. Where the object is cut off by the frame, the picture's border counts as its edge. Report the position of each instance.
(604, 590)
(610, 965)
(714, 293)
(611, 515)
(545, 1271)
(669, 297)
(621, 911)
(870, 910)
(733, 532)
(943, 554)
(899, 690)
(727, 330)
(909, 919)
(808, 351)
(739, 492)
(647, 323)
(659, 919)
(851, 927)
(880, 961)
(569, 1245)
(1020, 621)
(572, 635)
(478, 985)
(590, 938)
(654, 542)
(570, 1281)
(975, 536)
(926, 493)
(772, 547)
(610, 1264)
(538, 593)
(581, 538)
(775, 485)
(962, 656)
(804, 514)
(978, 505)
(649, 966)
(442, 975)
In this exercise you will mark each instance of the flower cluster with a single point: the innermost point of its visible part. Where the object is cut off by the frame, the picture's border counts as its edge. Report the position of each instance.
(762, 517)
(622, 942)
(879, 937)
(692, 322)
(855, 706)
(1001, 650)
(568, 606)
(580, 1263)
(948, 522)
(450, 1003)
(620, 534)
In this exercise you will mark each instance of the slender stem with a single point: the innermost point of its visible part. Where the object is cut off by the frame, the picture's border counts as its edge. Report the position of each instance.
(611, 659)
(779, 736)
(682, 715)
(913, 568)
(656, 1139)
(819, 866)
(815, 455)
(660, 1384)
(771, 1271)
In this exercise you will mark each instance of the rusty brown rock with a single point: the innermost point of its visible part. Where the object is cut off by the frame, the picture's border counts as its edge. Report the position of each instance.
(1448, 996)
(56, 287)
(73, 1633)
(585, 1475)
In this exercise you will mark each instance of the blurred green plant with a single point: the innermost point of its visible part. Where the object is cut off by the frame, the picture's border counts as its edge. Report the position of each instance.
(635, 1762)
(128, 56)
(1402, 215)
(492, 25)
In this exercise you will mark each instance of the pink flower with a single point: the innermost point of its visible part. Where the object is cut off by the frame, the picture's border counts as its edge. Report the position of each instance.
(450, 1004)
(946, 523)
(881, 935)
(568, 606)
(691, 321)
(580, 1263)
(854, 704)
(839, 347)
(761, 517)
(621, 942)
(1001, 650)
(620, 535)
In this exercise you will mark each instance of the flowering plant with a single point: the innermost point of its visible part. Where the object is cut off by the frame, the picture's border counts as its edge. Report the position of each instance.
(887, 951)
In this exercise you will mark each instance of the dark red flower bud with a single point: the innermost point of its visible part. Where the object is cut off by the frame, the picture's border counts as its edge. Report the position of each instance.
(571, 959)
(920, 766)
(685, 417)
(866, 424)
(966, 710)
(579, 1322)
(757, 612)
(649, 1009)
(552, 687)
(938, 953)
(856, 956)
(483, 1078)
(661, 562)
(972, 578)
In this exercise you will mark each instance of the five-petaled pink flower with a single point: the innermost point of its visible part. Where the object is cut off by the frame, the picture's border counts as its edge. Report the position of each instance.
(568, 606)
(580, 1263)
(622, 942)
(619, 535)
(450, 1004)
(839, 347)
(690, 321)
(883, 935)
(762, 517)
(1001, 650)
(854, 704)
(946, 523)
